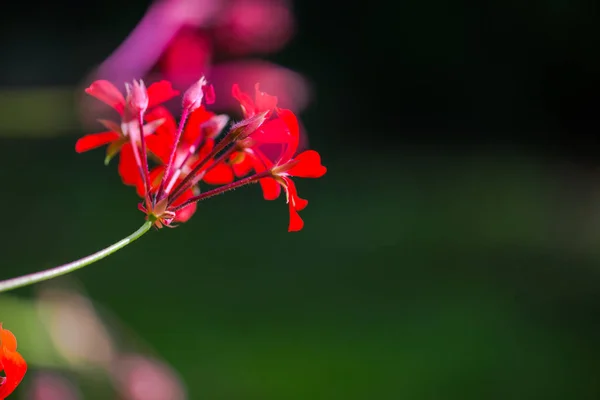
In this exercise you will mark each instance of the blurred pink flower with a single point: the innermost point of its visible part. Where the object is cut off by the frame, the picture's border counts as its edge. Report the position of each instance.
(254, 26)
(52, 386)
(98, 346)
(180, 40)
(75, 328)
(142, 378)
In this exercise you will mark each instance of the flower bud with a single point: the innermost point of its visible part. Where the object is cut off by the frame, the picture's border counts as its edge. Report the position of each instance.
(245, 128)
(137, 97)
(214, 126)
(192, 98)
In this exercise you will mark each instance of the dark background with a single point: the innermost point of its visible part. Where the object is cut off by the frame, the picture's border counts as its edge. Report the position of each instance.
(451, 251)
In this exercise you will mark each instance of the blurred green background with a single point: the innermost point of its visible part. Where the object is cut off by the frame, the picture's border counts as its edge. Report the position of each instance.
(451, 251)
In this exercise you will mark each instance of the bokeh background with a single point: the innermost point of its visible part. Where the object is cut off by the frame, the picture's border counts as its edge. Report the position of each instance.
(452, 251)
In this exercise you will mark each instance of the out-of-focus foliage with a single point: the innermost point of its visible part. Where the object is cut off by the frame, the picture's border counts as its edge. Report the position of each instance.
(441, 278)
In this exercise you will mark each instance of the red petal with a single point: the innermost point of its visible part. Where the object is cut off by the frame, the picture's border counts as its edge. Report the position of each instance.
(15, 368)
(308, 166)
(8, 341)
(185, 213)
(168, 127)
(160, 92)
(107, 93)
(94, 140)
(300, 204)
(244, 166)
(11, 362)
(193, 130)
(128, 168)
(248, 107)
(160, 146)
(288, 117)
(220, 174)
(271, 189)
(273, 131)
(260, 161)
(263, 101)
(292, 195)
(296, 223)
(161, 141)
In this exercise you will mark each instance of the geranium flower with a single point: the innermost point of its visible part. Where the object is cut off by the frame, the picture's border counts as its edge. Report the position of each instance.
(307, 164)
(11, 362)
(248, 154)
(122, 136)
(187, 153)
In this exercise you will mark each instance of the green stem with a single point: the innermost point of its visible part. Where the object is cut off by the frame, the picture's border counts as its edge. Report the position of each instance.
(64, 269)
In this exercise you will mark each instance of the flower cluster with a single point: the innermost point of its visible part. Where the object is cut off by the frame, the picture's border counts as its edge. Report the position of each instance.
(11, 362)
(167, 161)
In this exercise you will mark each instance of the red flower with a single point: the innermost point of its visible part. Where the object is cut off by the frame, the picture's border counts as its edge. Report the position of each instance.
(11, 362)
(304, 165)
(248, 154)
(282, 129)
(121, 136)
(187, 153)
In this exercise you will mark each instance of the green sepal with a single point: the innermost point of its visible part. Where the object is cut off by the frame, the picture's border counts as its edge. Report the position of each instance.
(113, 149)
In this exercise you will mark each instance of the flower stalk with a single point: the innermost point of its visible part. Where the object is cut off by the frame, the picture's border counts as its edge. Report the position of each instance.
(187, 182)
(145, 169)
(169, 168)
(64, 269)
(222, 189)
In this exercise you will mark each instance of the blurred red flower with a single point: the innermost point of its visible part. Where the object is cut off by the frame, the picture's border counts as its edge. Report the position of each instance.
(11, 362)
